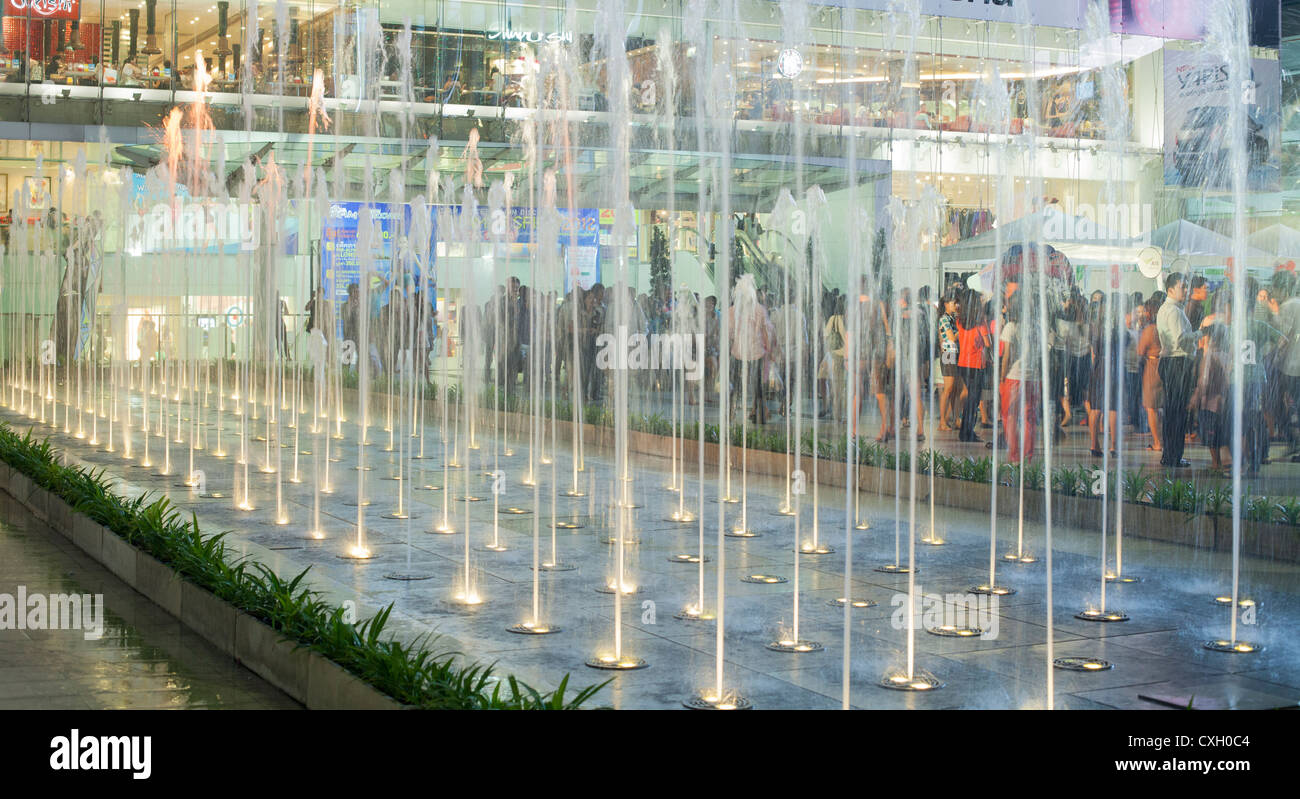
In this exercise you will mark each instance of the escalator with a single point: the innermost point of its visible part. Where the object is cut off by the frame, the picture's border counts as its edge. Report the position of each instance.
(765, 258)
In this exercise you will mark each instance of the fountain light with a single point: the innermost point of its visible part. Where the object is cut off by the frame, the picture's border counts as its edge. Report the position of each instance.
(993, 590)
(809, 548)
(1233, 647)
(1093, 614)
(358, 552)
(1082, 664)
(839, 601)
(611, 662)
(764, 579)
(741, 532)
(495, 547)
(917, 681)
(568, 526)
(1022, 558)
(954, 631)
(443, 529)
(610, 586)
(1242, 602)
(533, 628)
(245, 505)
(693, 613)
(894, 568)
(316, 535)
(470, 598)
(515, 511)
(708, 700)
(795, 646)
(683, 557)
(1112, 577)
(680, 517)
(783, 510)
(629, 541)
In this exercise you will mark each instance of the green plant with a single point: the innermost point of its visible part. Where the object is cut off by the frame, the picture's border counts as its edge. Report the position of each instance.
(1034, 475)
(1070, 482)
(1259, 509)
(1288, 512)
(1217, 500)
(1136, 486)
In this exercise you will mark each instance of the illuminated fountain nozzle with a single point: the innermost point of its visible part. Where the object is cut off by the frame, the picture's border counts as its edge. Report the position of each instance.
(710, 700)
(917, 681)
(533, 628)
(1233, 647)
(693, 613)
(612, 662)
(1093, 614)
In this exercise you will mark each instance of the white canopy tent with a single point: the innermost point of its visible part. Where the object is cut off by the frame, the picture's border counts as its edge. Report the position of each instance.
(1198, 244)
(1281, 241)
(1090, 247)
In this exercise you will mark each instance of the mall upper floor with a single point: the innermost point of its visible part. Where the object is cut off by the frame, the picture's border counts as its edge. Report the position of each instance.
(420, 68)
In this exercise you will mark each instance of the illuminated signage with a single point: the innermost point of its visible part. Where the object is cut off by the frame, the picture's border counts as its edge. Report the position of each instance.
(531, 37)
(44, 9)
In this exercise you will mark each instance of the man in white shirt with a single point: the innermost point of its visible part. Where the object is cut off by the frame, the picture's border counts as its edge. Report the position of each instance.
(791, 342)
(1283, 290)
(750, 336)
(1177, 345)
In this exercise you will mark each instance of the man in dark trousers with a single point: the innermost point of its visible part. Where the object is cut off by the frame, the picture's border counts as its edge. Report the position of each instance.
(1177, 372)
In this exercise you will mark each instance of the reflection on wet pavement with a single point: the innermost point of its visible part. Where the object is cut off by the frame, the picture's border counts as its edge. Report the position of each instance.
(145, 659)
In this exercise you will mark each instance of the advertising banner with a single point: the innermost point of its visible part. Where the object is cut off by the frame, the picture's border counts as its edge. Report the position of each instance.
(1187, 19)
(1197, 100)
(341, 263)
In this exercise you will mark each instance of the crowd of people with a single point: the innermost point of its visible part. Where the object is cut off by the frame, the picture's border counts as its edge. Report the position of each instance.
(1158, 370)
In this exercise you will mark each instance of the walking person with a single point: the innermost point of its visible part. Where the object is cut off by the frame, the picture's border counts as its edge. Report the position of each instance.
(1148, 350)
(1288, 357)
(749, 328)
(951, 395)
(883, 359)
(836, 340)
(973, 343)
(1177, 343)
(1210, 397)
(1020, 390)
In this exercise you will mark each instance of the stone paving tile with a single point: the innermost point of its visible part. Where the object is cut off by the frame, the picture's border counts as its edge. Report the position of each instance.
(1232, 693)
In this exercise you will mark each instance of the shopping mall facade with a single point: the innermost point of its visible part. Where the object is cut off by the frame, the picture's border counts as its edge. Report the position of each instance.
(826, 96)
